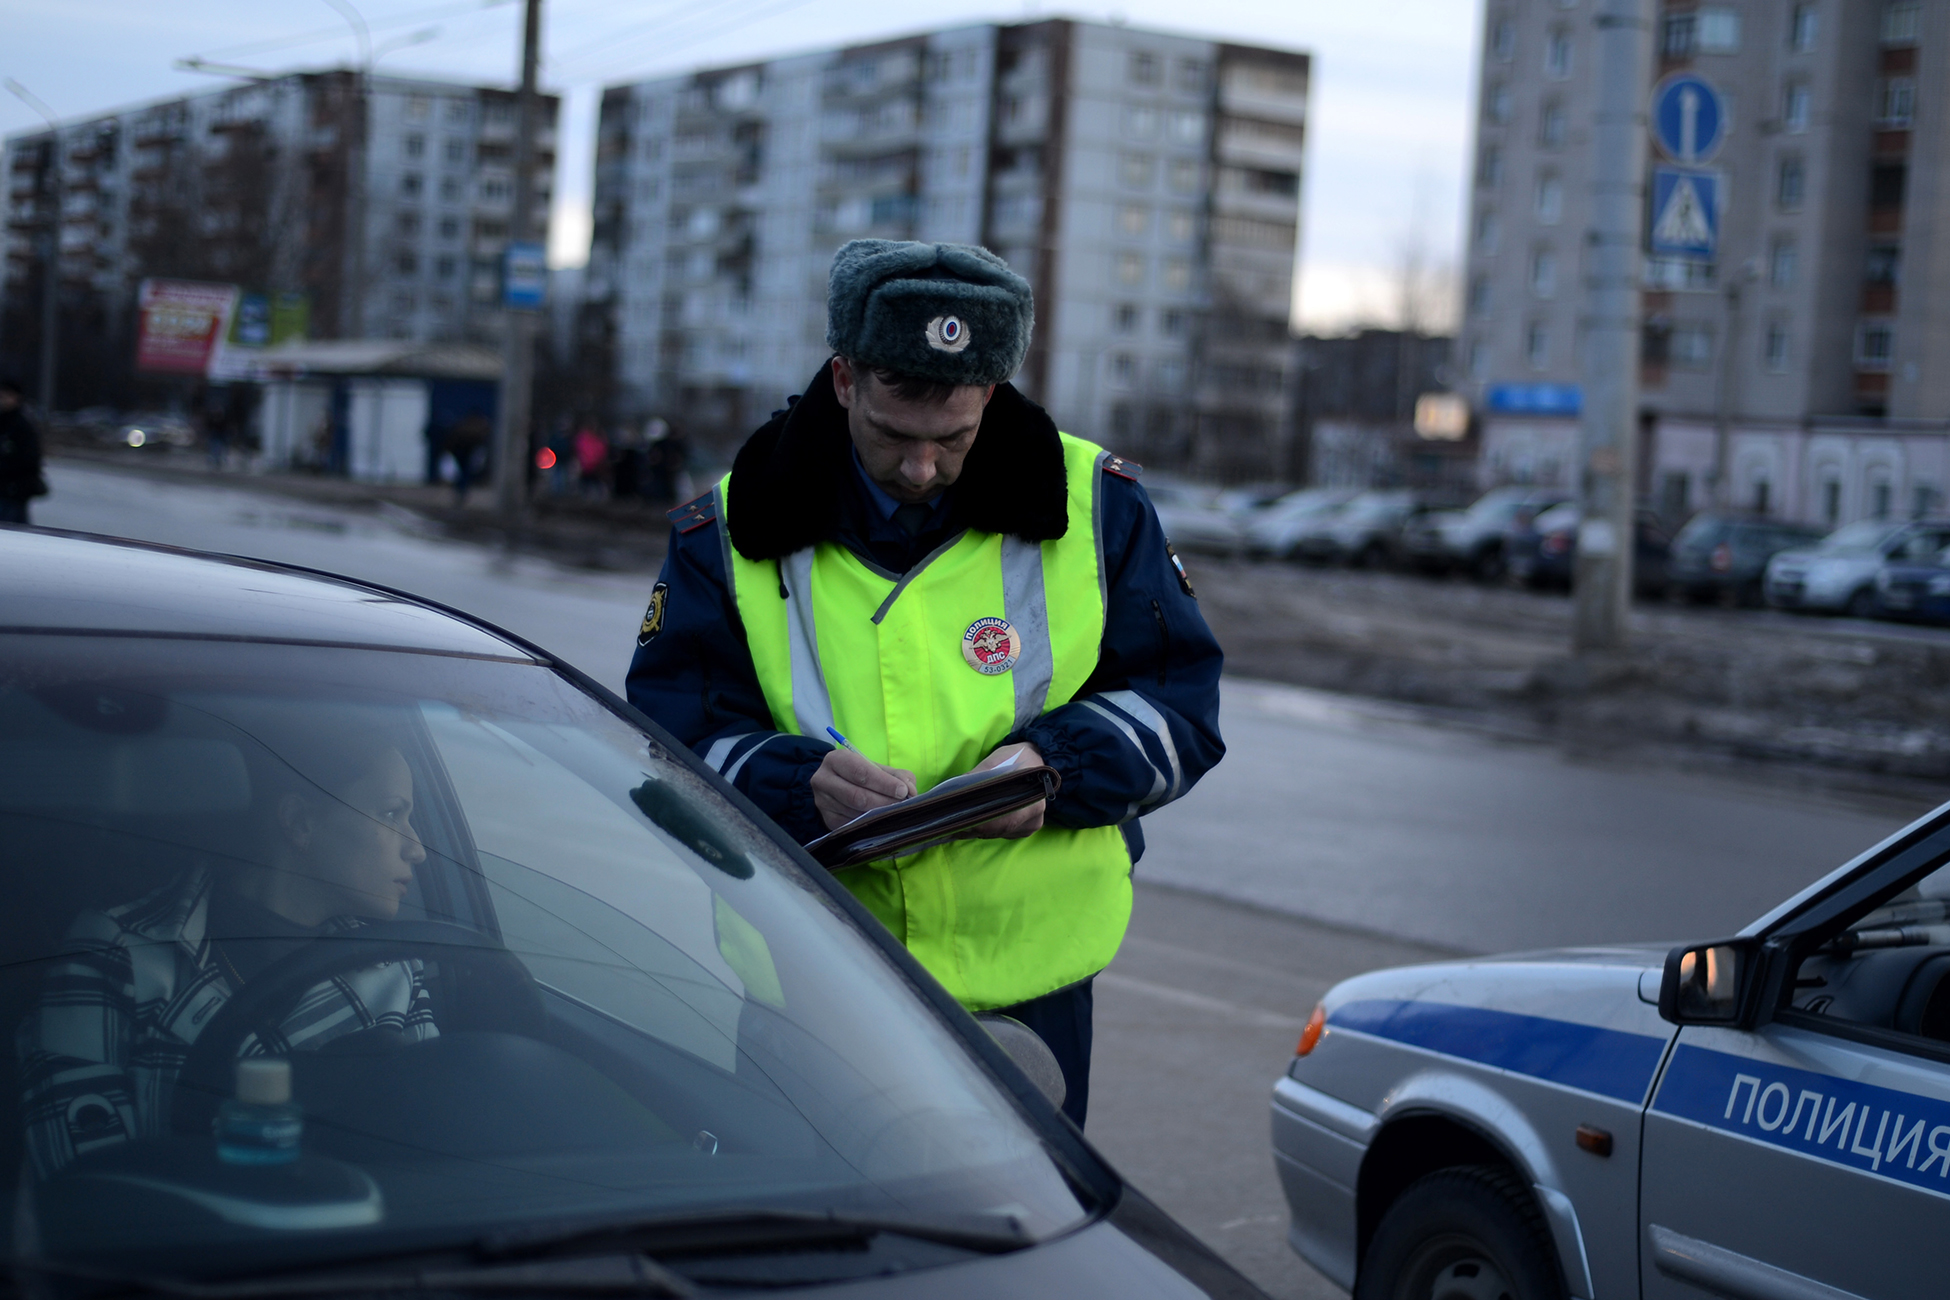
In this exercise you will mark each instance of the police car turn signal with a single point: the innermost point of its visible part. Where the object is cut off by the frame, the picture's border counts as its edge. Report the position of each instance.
(1311, 1034)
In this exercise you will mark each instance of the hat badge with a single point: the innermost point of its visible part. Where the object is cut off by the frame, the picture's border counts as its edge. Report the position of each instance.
(947, 334)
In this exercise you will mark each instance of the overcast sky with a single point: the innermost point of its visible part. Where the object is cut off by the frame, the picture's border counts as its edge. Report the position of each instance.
(1389, 128)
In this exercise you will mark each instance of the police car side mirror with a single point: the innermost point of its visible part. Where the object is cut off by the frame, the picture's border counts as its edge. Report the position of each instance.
(1719, 983)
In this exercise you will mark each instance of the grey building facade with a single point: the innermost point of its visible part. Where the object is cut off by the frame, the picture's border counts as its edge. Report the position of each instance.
(386, 200)
(1799, 368)
(1148, 185)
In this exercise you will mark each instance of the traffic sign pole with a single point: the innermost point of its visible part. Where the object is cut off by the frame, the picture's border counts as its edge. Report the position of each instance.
(518, 299)
(1609, 431)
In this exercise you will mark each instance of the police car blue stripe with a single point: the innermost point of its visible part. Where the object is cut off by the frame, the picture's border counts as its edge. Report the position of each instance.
(1860, 1126)
(1609, 1062)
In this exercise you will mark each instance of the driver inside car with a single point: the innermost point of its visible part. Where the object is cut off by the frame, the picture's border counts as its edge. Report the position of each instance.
(332, 847)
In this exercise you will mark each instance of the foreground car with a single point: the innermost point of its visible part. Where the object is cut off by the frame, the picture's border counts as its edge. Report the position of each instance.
(354, 946)
(1761, 1116)
(1837, 575)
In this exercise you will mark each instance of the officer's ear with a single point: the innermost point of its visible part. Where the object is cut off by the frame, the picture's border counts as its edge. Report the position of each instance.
(843, 381)
(987, 393)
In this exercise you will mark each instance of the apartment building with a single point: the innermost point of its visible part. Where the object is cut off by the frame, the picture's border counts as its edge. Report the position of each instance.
(1148, 186)
(1794, 357)
(386, 201)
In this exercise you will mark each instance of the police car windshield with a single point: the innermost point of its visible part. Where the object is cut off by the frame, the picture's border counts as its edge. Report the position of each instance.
(519, 964)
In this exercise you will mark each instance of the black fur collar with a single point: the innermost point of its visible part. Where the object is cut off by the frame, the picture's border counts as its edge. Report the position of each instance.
(789, 479)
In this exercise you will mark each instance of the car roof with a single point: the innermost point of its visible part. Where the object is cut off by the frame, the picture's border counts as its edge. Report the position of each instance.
(53, 581)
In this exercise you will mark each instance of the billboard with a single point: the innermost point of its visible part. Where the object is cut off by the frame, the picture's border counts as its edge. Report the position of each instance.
(180, 324)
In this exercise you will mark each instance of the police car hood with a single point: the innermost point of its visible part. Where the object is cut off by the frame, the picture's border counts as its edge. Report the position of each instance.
(1586, 1017)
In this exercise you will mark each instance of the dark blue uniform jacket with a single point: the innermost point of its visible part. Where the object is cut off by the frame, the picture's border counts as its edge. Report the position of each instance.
(1155, 730)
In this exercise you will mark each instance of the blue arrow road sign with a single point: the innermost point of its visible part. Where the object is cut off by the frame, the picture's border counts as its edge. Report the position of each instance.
(1689, 118)
(1685, 213)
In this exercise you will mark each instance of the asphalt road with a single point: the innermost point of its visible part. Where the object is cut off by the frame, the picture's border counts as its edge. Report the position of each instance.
(1339, 835)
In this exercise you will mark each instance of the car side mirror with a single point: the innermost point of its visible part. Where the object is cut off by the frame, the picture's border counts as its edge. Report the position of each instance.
(1028, 1051)
(1717, 983)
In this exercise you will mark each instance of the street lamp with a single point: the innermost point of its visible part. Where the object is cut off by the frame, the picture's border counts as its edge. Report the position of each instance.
(51, 252)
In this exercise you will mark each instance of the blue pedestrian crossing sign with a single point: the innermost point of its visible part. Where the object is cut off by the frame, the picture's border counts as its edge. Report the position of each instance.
(1689, 118)
(1685, 212)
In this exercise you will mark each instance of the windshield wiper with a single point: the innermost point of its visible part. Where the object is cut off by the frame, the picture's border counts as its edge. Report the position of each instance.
(613, 1274)
(736, 1230)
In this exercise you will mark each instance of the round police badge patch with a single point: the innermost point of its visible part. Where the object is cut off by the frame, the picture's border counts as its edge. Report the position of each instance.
(991, 646)
(947, 334)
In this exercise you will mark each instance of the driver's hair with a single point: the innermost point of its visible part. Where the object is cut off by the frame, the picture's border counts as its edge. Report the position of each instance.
(315, 749)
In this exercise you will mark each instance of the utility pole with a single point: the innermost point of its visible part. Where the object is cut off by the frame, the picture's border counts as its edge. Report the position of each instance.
(1725, 396)
(50, 245)
(1609, 437)
(512, 413)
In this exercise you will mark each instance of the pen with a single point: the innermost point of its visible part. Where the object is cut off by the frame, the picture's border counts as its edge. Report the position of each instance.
(844, 742)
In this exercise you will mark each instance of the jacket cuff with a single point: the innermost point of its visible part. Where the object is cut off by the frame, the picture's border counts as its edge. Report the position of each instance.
(1054, 744)
(800, 817)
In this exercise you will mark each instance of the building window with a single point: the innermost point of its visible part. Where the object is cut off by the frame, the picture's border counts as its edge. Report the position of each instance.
(1123, 369)
(409, 185)
(1124, 318)
(1183, 127)
(1775, 352)
(1691, 346)
(456, 151)
(1135, 170)
(1133, 219)
(409, 224)
(1677, 35)
(1537, 345)
(1875, 344)
(1831, 502)
(1674, 494)
(456, 110)
(1896, 102)
(1178, 275)
(1496, 103)
(1172, 324)
(1169, 377)
(1183, 177)
(406, 262)
(1141, 123)
(1191, 76)
(417, 106)
(1543, 273)
(1144, 69)
(1763, 494)
(1130, 268)
(1719, 30)
(1479, 296)
(449, 189)
(1882, 262)
(1551, 126)
(1487, 231)
(1887, 183)
(1790, 185)
(1782, 263)
(1923, 499)
(1181, 227)
(1880, 499)
(1901, 21)
(415, 145)
(1489, 170)
(1795, 99)
(1803, 28)
(1479, 360)
(1557, 54)
(1503, 40)
(444, 267)
(449, 228)
(1550, 199)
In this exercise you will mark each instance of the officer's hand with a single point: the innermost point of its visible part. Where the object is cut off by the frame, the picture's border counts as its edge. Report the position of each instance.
(1023, 821)
(847, 785)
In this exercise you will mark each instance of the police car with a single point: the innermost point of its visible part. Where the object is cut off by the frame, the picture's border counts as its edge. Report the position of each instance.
(1761, 1116)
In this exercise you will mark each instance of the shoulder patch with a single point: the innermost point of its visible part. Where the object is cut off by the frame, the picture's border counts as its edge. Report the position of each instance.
(695, 513)
(1126, 469)
(1178, 567)
(653, 617)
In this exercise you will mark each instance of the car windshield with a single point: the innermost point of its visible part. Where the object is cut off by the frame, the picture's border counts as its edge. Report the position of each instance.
(1868, 535)
(515, 964)
(1701, 532)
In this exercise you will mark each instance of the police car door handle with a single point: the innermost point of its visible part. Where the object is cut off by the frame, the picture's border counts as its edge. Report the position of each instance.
(1728, 1273)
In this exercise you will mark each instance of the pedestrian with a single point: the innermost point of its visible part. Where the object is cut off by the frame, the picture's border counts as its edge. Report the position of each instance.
(592, 460)
(466, 442)
(913, 555)
(20, 457)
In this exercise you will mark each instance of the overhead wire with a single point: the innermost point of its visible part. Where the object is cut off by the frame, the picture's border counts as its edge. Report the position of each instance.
(684, 40)
(274, 43)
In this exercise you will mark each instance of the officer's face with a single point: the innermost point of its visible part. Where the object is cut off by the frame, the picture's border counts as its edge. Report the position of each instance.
(912, 450)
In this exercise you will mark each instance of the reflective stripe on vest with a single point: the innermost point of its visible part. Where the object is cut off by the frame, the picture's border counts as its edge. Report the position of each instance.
(837, 642)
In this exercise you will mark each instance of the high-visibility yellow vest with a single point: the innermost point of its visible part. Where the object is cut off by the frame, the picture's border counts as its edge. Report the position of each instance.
(839, 643)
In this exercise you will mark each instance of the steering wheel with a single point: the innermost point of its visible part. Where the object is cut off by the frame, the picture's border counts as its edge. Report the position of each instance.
(481, 985)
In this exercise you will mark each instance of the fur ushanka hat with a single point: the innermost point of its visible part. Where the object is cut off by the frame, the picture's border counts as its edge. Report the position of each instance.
(951, 312)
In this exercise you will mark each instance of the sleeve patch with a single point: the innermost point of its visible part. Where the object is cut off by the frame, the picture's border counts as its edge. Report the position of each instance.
(1178, 567)
(694, 514)
(653, 617)
(1125, 469)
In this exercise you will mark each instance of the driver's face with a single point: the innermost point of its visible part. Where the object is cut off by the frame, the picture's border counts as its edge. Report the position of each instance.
(366, 847)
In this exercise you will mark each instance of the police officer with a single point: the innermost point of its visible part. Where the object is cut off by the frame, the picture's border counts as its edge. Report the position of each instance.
(912, 554)
(20, 457)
